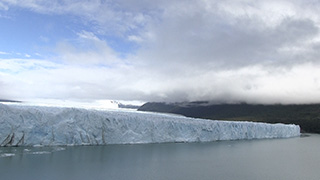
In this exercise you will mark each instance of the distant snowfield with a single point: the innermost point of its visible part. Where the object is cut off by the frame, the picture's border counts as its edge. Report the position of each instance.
(22, 125)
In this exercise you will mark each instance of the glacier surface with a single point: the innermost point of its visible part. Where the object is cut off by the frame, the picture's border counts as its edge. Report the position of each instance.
(48, 126)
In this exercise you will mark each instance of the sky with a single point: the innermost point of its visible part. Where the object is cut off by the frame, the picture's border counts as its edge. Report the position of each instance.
(252, 51)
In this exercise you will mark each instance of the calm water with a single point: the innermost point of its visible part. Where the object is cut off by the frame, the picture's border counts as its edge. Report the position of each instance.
(294, 159)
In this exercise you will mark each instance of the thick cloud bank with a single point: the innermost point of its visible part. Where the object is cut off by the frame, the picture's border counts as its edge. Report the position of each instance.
(30, 125)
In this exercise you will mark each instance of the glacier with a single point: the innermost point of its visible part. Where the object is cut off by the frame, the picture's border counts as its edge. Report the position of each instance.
(22, 125)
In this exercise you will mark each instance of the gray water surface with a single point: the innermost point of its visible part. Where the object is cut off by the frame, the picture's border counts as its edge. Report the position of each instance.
(294, 159)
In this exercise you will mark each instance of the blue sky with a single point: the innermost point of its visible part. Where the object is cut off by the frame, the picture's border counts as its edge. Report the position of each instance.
(223, 51)
(27, 32)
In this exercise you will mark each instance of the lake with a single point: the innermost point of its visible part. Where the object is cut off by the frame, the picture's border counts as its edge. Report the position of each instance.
(293, 158)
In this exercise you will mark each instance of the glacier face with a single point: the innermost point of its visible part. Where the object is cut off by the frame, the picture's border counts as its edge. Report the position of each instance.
(32, 125)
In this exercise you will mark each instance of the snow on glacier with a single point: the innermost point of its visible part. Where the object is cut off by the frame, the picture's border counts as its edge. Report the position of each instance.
(34, 125)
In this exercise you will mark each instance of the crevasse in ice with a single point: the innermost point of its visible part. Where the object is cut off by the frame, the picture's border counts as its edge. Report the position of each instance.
(31, 125)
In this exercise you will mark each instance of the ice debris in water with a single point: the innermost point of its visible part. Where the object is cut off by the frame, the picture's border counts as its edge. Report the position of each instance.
(7, 155)
(45, 126)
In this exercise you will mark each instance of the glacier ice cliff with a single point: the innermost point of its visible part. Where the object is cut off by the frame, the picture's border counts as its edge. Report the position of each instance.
(31, 125)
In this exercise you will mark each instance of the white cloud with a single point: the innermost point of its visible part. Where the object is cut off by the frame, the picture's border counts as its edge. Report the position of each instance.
(193, 34)
(3, 7)
(226, 51)
(3, 53)
(135, 38)
(253, 84)
(45, 79)
(87, 49)
(15, 66)
(104, 17)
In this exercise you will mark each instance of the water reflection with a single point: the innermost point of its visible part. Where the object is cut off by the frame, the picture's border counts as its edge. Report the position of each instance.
(295, 158)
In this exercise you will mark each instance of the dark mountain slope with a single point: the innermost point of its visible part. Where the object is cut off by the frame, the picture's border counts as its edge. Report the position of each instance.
(12, 101)
(307, 116)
